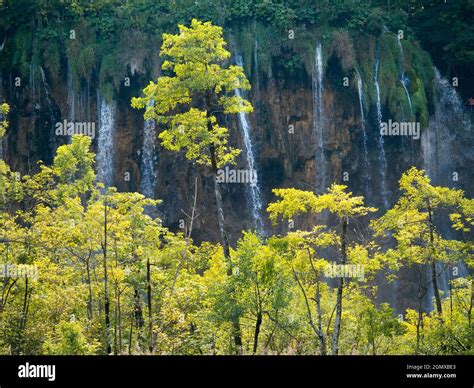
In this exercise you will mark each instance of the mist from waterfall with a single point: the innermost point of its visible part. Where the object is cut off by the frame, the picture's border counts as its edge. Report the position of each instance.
(46, 91)
(71, 98)
(404, 79)
(437, 141)
(78, 103)
(254, 188)
(366, 175)
(318, 118)
(2, 153)
(106, 141)
(438, 147)
(382, 156)
(148, 161)
(256, 87)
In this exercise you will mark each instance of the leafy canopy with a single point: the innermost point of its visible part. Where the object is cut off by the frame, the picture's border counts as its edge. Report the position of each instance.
(197, 84)
(337, 200)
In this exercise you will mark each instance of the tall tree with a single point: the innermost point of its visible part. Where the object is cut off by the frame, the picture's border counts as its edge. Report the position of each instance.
(339, 203)
(415, 222)
(190, 100)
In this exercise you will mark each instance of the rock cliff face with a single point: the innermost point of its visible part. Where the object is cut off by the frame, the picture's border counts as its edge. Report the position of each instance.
(316, 119)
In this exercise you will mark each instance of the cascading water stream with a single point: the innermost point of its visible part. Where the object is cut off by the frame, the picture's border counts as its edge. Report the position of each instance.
(46, 90)
(382, 156)
(50, 105)
(318, 118)
(106, 143)
(2, 151)
(438, 146)
(404, 80)
(71, 98)
(254, 188)
(256, 71)
(437, 140)
(148, 162)
(364, 134)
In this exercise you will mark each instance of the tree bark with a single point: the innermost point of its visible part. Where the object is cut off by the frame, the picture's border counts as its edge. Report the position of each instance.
(257, 332)
(220, 209)
(106, 285)
(90, 301)
(119, 321)
(434, 275)
(150, 322)
(221, 221)
(337, 323)
(322, 339)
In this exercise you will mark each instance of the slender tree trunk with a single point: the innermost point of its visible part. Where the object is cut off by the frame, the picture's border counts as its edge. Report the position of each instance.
(22, 322)
(469, 316)
(106, 285)
(257, 331)
(150, 322)
(130, 337)
(221, 221)
(418, 326)
(119, 317)
(322, 339)
(115, 323)
(220, 210)
(434, 275)
(90, 301)
(337, 323)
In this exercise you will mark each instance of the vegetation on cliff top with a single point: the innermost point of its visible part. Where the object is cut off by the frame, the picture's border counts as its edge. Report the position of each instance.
(86, 270)
(107, 32)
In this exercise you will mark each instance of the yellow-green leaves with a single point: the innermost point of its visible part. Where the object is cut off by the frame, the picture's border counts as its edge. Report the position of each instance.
(337, 200)
(412, 220)
(73, 165)
(4, 109)
(201, 43)
(293, 202)
(197, 83)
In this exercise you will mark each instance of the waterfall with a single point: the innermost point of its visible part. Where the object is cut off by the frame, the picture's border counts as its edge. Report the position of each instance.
(32, 83)
(148, 172)
(254, 188)
(256, 70)
(382, 156)
(318, 118)
(2, 156)
(1, 100)
(404, 80)
(46, 90)
(70, 95)
(49, 102)
(106, 146)
(437, 140)
(364, 134)
(438, 147)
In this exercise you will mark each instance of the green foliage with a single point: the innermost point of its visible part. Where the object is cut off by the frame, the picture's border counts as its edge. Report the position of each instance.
(167, 295)
(4, 109)
(70, 340)
(337, 200)
(280, 290)
(199, 85)
(73, 165)
(446, 30)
